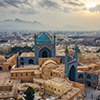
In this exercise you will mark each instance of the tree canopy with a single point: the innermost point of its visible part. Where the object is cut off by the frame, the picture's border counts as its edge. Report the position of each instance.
(29, 93)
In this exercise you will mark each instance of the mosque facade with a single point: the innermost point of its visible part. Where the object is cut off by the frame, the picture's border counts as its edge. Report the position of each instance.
(45, 47)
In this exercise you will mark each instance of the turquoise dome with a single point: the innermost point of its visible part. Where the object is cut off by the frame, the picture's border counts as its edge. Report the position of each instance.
(44, 39)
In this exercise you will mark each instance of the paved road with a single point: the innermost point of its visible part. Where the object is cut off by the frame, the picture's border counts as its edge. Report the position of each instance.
(90, 91)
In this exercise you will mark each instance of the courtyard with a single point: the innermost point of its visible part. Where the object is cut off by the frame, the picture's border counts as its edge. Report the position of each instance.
(90, 91)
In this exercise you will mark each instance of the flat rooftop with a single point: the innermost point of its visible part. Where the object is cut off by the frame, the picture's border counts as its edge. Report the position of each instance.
(4, 75)
(29, 66)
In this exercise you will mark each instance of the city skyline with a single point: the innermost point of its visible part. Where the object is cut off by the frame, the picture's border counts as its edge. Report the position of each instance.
(83, 13)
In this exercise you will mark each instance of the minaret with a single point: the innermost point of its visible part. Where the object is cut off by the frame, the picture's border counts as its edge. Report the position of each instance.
(76, 52)
(66, 61)
(17, 59)
(54, 45)
(35, 44)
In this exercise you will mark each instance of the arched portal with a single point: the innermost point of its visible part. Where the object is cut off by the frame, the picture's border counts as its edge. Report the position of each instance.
(88, 77)
(31, 61)
(72, 74)
(80, 76)
(0, 68)
(44, 53)
(9, 67)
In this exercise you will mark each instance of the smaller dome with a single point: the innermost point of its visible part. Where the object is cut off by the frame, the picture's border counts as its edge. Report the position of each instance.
(50, 64)
(44, 39)
(2, 59)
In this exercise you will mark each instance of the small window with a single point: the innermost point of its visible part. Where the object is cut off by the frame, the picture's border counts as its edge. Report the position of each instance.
(26, 74)
(31, 74)
(49, 86)
(58, 90)
(51, 74)
(11, 74)
(52, 88)
(55, 89)
(16, 74)
(21, 74)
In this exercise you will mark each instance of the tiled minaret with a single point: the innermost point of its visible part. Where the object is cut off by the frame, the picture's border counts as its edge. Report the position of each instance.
(66, 62)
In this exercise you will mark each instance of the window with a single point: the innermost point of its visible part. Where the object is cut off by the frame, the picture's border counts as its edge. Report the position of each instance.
(11, 74)
(21, 74)
(51, 74)
(26, 74)
(80, 76)
(16, 74)
(55, 89)
(52, 88)
(9, 68)
(88, 77)
(49, 86)
(58, 90)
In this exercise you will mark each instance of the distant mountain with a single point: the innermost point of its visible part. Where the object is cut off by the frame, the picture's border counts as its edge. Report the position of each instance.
(73, 28)
(7, 20)
(19, 24)
(18, 20)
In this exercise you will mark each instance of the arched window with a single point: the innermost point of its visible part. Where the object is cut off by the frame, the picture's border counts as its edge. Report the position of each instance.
(0, 68)
(80, 76)
(88, 77)
(31, 61)
(9, 67)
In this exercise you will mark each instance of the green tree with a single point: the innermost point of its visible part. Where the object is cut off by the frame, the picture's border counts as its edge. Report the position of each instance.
(29, 93)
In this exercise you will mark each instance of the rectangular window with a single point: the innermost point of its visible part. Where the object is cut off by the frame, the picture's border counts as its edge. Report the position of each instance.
(21, 74)
(12, 75)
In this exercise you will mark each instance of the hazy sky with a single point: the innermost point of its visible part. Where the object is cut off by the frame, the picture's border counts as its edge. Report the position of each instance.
(57, 13)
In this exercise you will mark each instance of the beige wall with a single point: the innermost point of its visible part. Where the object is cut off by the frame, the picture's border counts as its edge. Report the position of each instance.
(24, 76)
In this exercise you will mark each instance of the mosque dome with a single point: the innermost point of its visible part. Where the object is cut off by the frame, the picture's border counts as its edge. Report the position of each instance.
(44, 38)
